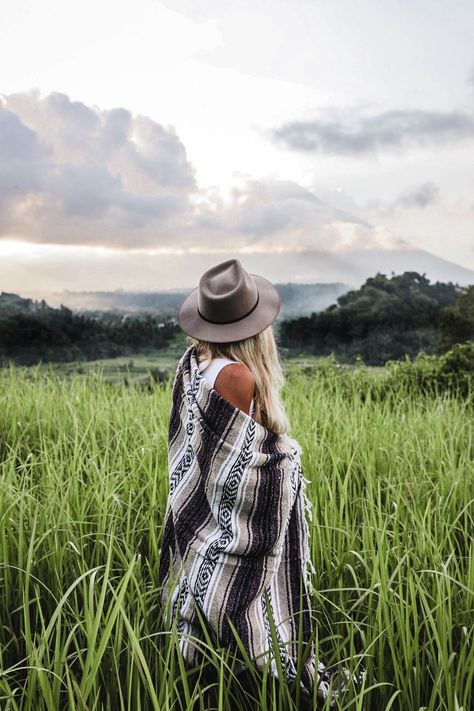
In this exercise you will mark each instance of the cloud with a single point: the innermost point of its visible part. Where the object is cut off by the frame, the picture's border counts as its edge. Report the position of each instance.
(23, 158)
(421, 196)
(271, 212)
(73, 174)
(77, 175)
(388, 130)
(417, 197)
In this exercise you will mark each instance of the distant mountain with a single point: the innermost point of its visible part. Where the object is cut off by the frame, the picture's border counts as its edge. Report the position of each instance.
(351, 266)
(309, 266)
(296, 299)
(308, 280)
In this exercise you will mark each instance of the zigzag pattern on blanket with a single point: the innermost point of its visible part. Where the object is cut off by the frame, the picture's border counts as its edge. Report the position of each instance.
(235, 531)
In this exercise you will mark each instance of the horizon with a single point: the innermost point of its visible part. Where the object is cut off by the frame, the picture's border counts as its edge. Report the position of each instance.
(352, 272)
(122, 169)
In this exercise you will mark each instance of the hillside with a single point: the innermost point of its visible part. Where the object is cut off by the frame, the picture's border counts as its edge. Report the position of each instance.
(387, 318)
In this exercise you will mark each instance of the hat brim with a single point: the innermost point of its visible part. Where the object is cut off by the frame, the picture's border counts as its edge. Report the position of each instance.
(262, 316)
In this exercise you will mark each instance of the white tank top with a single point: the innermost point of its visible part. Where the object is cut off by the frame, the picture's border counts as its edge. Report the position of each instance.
(210, 370)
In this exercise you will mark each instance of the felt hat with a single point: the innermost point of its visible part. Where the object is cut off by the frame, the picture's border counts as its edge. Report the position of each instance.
(229, 304)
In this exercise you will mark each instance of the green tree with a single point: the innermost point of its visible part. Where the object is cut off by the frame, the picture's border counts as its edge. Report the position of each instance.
(457, 321)
(386, 318)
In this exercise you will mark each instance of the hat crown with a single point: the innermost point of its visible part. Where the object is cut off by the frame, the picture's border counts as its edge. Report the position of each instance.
(227, 292)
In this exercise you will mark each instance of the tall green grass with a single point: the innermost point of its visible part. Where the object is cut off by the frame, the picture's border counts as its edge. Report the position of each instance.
(83, 489)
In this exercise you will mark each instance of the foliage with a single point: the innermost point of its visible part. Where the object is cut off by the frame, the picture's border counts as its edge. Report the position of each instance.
(32, 332)
(387, 318)
(452, 371)
(457, 322)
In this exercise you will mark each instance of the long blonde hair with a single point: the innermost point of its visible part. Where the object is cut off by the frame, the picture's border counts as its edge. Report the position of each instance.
(260, 354)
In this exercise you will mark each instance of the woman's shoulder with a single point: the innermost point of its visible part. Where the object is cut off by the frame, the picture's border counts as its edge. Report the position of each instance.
(236, 383)
(236, 370)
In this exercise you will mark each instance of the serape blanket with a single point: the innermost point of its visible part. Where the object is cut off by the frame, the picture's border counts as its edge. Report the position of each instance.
(235, 543)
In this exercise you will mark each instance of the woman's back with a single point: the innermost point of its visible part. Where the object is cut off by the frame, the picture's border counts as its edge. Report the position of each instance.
(210, 368)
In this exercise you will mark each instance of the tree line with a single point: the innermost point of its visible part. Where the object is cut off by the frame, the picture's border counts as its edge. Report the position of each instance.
(387, 318)
(32, 331)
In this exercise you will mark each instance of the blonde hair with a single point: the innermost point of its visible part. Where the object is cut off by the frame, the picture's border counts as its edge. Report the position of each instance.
(260, 354)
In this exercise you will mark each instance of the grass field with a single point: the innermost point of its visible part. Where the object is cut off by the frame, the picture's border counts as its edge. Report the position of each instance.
(138, 367)
(83, 492)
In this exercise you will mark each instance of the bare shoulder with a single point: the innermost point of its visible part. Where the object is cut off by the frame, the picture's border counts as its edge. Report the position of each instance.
(237, 373)
(236, 383)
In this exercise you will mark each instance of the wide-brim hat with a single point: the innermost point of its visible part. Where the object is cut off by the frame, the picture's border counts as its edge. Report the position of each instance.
(229, 304)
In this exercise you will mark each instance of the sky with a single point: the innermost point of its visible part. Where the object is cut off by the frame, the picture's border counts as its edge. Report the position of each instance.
(134, 135)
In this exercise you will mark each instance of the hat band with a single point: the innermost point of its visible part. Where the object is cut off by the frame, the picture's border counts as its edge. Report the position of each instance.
(234, 319)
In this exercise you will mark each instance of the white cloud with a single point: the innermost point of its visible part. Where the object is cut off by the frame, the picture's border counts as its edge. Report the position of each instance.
(270, 213)
(83, 176)
(73, 174)
(79, 175)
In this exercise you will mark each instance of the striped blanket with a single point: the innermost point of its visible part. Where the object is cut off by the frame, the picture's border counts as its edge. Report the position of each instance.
(235, 536)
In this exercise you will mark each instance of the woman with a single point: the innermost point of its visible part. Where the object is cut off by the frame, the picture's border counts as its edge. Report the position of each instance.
(235, 553)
